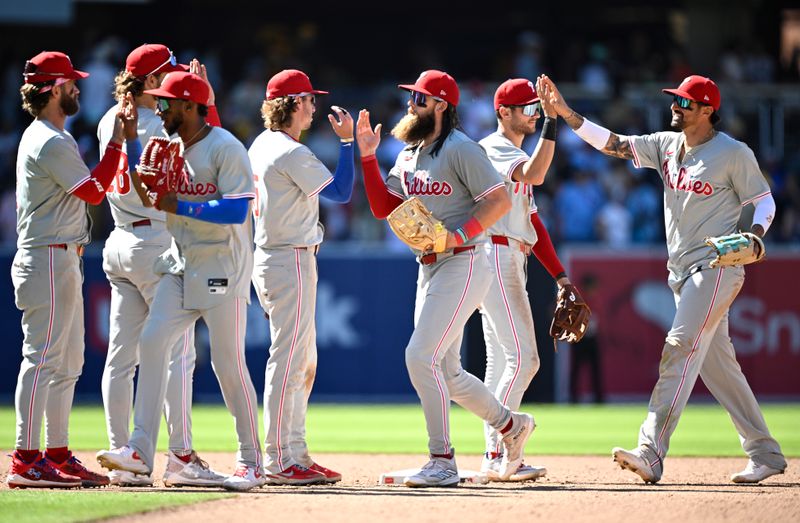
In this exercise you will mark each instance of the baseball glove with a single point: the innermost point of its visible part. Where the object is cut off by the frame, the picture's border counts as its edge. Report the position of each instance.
(571, 317)
(161, 167)
(736, 249)
(414, 224)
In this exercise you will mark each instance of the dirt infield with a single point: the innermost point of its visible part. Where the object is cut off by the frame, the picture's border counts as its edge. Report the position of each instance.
(576, 489)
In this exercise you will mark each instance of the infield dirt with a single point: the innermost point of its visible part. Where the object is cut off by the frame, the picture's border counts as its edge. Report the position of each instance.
(586, 488)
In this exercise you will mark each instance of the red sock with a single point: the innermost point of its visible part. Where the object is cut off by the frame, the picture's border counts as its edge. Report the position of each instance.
(505, 429)
(186, 459)
(445, 456)
(28, 455)
(58, 454)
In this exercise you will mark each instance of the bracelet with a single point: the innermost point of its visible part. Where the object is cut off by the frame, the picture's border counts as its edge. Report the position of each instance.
(549, 128)
(346, 140)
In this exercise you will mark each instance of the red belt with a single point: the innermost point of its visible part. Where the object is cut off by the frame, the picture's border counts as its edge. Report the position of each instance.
(431, 258)
(141, 223)
(504, 240)
(64, 246)
(314, 249)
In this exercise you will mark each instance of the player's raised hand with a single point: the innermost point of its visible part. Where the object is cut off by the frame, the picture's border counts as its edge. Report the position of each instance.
(367, 137)
(195, 67)
(555, 99)
(129, 115)
(543, 90)
(342, 123)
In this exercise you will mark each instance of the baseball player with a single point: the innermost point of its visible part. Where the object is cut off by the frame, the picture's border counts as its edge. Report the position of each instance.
(289, 182)
(204, 275)
(454, 179)
(140, 235)
(511, 354)
(53, 188)
(708, 177)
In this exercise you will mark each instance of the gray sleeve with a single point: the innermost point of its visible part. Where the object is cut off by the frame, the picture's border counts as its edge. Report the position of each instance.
(235, 176)
(306, 170)
(747, 179)
(60, 159)
(472, 166)
(646, 150)
(505, 159)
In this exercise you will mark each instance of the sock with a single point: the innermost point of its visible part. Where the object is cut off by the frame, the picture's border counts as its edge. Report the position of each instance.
(186, 458)
(445, 456)
(508, 426)
(28, 455)
(58, 454)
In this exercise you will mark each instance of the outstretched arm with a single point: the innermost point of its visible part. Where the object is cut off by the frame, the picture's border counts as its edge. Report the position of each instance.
(598, 137)
(381, 201)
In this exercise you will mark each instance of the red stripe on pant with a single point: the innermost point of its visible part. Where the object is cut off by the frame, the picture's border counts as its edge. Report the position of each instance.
(239, 355)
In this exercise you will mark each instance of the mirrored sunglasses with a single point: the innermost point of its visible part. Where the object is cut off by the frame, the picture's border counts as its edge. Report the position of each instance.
(683, 103)
(163, 104)
(420, 99)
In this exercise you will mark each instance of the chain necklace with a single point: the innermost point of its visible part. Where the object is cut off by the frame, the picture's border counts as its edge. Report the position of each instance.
(189, 142)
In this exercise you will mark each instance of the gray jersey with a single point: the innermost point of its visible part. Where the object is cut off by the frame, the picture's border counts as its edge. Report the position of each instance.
(218, 259)
(448, 184)
(126, 207)
(289, 179)
(505, 157)
(49, 168)
(704, 195)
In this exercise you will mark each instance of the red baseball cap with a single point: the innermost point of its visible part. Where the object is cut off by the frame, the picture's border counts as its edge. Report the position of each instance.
(517, 91)
(182, 86)
(290, 82)
(50, 65)
(435, 83)
(152, 59)
(698, 89)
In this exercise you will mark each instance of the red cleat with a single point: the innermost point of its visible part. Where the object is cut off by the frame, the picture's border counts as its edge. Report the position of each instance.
(331, 476)
(296, 475)
(72, 466)
(38, 474)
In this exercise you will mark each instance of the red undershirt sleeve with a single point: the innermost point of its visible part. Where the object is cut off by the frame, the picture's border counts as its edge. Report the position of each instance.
(543, 249)
(93, 190)
(381, 201)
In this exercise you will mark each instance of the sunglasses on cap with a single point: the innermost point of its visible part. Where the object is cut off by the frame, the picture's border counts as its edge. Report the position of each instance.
(419, 99)
(171, 61)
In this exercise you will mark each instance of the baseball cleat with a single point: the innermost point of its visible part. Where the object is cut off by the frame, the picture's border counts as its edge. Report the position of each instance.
(72, 466)
(297, 475)
(491, 467)
(123, 478)
(331, 476)
(38, 474)
(245, 478)
(123, 458)
(754, 473)
(195, 473)
(514, 443)
(438, 472)
(635, 463)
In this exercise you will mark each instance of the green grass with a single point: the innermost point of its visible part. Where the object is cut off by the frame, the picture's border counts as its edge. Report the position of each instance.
(704, 430)
(23, 506)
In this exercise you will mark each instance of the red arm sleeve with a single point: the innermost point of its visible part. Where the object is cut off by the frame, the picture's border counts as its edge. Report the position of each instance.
(381, 201)
(93, 190)
(543, 249)
(213, 117)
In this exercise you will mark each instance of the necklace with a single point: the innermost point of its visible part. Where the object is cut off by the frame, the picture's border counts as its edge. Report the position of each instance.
(189, 142)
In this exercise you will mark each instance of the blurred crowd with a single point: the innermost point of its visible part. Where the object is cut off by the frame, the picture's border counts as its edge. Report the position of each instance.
(587, 197)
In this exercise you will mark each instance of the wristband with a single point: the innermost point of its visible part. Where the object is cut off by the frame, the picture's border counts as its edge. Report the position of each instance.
(470, 229)
(549, 128)
(593, 134)
(560, 275)
(134, 152)
(114, 146)
(460, 236)
(346, 140)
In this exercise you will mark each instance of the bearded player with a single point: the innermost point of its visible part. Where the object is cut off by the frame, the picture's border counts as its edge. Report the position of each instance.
(454, 179)
(708, 177)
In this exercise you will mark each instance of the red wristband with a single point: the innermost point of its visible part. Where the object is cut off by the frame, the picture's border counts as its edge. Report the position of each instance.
(472, 227)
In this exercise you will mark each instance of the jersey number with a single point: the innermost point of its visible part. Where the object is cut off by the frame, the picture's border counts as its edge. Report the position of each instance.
(122, 180)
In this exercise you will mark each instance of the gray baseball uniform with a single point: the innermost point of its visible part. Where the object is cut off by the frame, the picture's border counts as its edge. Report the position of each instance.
(206, 275)
(451, 286)
(140, 235)
(703, 196)
(289, 178)
(52, 227)
(512, 358)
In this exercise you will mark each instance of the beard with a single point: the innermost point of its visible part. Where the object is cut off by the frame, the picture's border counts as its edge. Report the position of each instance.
(523, 128)
(69, 105)
(173, 124)
(413, 128)
(677, 123)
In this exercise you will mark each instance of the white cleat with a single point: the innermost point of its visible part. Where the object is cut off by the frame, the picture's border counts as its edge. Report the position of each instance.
(195, 473)
(123, 478)
(491, 467)
(635, 463)
(123, 458)
(514, 443)
(438, 472)
(754, 473)
(245, 478)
